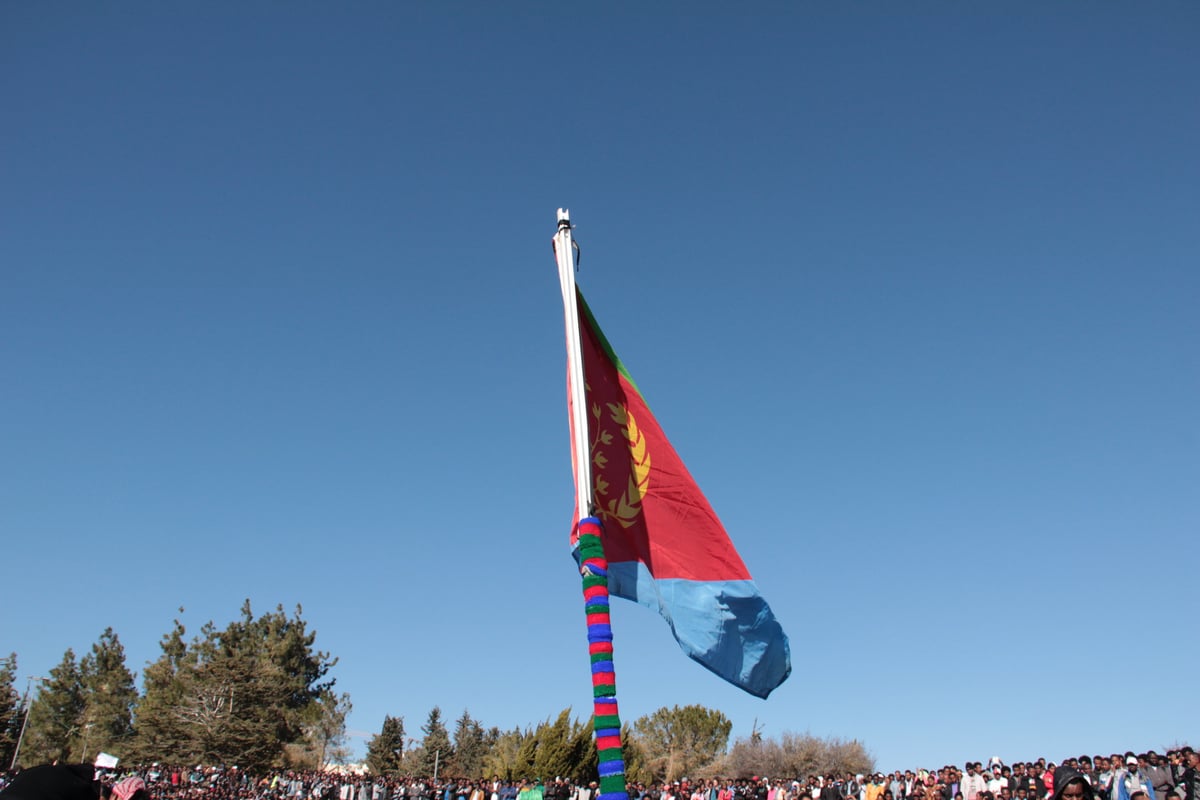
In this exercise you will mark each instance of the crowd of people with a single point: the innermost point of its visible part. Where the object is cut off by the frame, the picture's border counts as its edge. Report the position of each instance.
(1127, 776)
(1174, 775)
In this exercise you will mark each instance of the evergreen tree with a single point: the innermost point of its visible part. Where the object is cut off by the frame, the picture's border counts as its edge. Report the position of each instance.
(159, 730)
(253, 684)
(54, 715)
(527, 755)
(241, 695)
(502, 757)
(413, 762)
(553, 755)
(582, 755)
(106, 722)
(437, 751)
(11, 712)
(468, 747)
(490, 737)
(385, 750)
(635, 757)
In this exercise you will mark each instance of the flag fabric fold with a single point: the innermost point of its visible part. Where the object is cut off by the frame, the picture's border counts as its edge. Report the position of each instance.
(666, 549)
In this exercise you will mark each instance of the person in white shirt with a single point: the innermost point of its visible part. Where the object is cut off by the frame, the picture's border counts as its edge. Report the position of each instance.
(973, 783)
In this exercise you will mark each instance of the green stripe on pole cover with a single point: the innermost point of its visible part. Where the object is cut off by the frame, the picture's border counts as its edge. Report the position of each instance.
(612, 783)
(597, 609)
(594, 580)
(604, 691)
(610, 754)
(606, 721)
(601, 657)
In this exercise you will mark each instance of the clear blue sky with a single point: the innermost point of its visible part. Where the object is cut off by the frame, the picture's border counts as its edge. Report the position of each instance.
(913, 291)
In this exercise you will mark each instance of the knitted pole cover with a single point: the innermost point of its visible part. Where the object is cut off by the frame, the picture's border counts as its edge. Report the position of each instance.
(606, 722)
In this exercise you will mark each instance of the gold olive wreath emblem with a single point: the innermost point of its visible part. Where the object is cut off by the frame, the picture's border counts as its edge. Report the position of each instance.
(626, 508)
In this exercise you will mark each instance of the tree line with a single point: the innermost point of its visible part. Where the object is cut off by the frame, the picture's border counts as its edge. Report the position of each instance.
(667, 745)
(257, 693)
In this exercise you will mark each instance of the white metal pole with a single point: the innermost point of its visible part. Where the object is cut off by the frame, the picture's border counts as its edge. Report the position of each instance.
(578, 412)
(25, 722)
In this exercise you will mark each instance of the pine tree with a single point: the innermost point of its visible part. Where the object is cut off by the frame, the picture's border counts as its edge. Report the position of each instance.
(108, 698)
(468, 747)
(553, 755)
(11, 712)
(251, 688)
(158, 729)
(502, 755)
(385, 750)
(436, 747)
(527, 755)
(582, 755)
(54, 715)
(635, 757)
(242, 695)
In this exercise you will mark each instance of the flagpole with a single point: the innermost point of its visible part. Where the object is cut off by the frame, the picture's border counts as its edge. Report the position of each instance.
(564, 252)
(589, 543)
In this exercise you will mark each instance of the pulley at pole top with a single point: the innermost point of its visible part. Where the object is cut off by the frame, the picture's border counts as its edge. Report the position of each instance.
(564, 224)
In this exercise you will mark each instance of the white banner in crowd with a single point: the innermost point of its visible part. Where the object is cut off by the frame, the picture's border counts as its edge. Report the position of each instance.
(105, 761)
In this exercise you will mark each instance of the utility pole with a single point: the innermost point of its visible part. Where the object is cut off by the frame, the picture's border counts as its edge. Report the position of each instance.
(87, 734)
(24, 722)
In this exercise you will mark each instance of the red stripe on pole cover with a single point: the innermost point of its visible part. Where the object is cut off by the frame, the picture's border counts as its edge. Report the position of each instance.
(599, 647)
(606, 742)
(605, 709)
(604, 679)
(595, 591)
(599, 618)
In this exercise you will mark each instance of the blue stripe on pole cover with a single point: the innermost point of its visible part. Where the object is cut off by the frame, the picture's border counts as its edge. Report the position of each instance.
(608, 732)
(724, 625)
(602, 666)
(599, 633)
(611, 768)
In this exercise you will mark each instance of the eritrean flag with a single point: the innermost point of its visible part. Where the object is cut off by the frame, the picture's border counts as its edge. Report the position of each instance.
(665, 547)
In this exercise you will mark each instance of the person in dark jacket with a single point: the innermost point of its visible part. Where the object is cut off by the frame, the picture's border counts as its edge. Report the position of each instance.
(1070, 784)
(1188, 786)
(54, 782)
